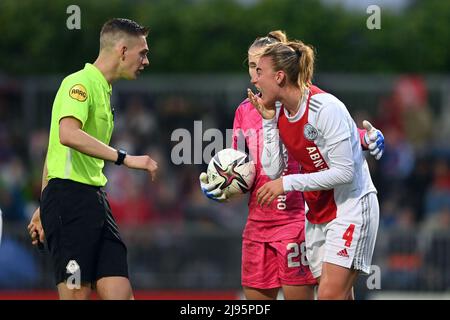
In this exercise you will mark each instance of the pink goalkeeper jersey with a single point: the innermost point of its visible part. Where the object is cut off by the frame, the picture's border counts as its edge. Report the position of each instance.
(285, 216)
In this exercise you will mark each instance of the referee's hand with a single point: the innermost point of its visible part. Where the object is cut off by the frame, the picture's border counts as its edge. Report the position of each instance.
(35, 229)
(142, 162)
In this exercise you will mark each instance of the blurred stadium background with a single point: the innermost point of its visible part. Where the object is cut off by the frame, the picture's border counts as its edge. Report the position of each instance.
(180, 244)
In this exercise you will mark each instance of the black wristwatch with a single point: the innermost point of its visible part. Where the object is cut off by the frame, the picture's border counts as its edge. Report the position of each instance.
(121, 154)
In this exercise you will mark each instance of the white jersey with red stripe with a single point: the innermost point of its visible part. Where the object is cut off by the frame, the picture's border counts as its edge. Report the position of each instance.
(324, 139)
(284, 218)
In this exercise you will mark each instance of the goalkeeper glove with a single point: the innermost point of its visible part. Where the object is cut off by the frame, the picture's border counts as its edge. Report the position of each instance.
(374, 139)
(210, 190)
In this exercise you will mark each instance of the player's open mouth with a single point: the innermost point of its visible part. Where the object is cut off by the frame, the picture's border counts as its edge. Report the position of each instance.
(259, 92)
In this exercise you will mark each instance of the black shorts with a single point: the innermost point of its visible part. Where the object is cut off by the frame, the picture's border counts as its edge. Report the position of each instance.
(79, 226)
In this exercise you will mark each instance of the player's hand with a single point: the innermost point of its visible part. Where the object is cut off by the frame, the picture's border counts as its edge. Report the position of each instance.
(35, 229)
(374, 139)
(142, 162)
(210, 190)
(268, 192)
(256, 101)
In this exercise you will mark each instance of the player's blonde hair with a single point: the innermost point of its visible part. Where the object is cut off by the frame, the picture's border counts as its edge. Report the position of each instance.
(271, 38)
(296, 59)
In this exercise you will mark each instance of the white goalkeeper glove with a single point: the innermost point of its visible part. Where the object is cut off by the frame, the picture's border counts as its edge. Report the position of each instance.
(374, 139)
(210, 190)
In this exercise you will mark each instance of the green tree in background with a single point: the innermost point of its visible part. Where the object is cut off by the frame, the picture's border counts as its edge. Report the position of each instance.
(203, 36)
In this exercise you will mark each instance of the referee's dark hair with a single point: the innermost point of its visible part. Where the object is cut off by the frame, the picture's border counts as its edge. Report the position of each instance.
(119, 26)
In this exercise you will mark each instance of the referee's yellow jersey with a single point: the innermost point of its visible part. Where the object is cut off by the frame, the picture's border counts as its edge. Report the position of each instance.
(84, 95)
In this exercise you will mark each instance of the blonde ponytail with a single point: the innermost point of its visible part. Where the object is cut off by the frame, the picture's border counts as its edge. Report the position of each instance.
(305, 64)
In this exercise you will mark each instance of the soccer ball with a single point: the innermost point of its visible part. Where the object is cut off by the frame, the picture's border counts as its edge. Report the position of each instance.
(232, 171)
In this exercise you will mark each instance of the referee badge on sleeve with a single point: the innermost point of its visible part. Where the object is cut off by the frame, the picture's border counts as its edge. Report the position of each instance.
(78, 92)
(310, 132)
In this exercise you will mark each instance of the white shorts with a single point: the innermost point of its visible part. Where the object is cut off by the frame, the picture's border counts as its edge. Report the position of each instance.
(348, 240)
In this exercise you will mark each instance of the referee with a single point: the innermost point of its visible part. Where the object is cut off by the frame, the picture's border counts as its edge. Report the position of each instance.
(83, 239)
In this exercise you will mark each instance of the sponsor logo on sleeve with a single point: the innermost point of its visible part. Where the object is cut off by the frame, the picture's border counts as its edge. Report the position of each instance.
(78, 92)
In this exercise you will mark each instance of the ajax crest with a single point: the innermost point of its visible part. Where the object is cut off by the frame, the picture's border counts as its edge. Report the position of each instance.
(310, 132)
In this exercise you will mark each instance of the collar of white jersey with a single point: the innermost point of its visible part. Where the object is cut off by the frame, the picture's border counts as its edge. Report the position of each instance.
(300, 111)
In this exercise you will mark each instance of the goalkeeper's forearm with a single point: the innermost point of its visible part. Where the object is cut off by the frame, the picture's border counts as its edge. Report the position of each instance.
(273, 154)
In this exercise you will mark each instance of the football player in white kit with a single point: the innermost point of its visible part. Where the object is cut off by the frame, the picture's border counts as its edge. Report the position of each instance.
(317, 129)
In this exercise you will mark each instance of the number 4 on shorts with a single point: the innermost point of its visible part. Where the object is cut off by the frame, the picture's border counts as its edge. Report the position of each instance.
(348, 235)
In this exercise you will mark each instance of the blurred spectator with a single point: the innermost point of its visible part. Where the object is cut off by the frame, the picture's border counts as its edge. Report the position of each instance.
(6, 150)
(442, 127)
(37, 151)
(438, 222)
(12, 180)
(141, 121)
(397, 163)
(437, 258)
(417, 185)
(18, 269)
(127, 197)
(438, 195)
(408, 112)
(404, 261)
(406, 219)
(397, 216)
(168, 194)
(412, 97)
(388, 210)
